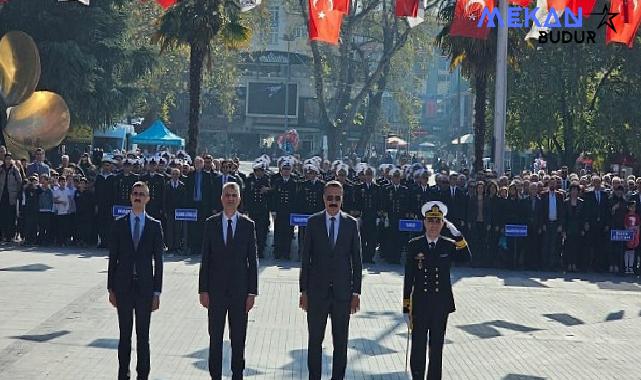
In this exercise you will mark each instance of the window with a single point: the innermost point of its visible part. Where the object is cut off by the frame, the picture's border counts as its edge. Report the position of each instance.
(273, 25)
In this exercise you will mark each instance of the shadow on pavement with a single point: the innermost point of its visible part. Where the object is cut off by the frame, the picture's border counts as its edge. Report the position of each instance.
(42, 337)
(28, 268)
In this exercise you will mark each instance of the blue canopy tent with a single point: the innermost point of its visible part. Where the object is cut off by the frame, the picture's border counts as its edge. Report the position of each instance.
(158, 134)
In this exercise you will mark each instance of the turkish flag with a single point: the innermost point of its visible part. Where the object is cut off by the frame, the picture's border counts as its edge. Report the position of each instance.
(625, 31)
(324, 22)
(585, 5)
(559, 5)
(341, 6)
(407, 8)
(166, 3)
(466, 18)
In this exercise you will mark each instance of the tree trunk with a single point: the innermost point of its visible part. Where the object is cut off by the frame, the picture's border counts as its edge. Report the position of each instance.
(196, 59)
(480, 94)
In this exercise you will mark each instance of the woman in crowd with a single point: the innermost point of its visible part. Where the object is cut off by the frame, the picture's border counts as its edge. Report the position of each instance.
(574, 228)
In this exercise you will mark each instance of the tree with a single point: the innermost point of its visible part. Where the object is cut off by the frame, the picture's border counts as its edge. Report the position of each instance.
(202, 26)
(357, 70)
(84, 54)
(478, 61)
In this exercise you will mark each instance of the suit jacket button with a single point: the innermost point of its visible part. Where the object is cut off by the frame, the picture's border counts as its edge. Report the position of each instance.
(435, 269)
(425, 290)
(436, 275)
(436, 282)
(436, 290)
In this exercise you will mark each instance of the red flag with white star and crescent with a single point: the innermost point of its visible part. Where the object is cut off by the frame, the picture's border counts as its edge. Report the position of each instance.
(407, 8)
(324, 21)
(466, 17)
(166, 3)
(626, 23)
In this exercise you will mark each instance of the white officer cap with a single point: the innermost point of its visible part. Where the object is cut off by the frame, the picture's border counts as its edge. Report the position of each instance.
(343, 167)
(311, 167)
(434, 209)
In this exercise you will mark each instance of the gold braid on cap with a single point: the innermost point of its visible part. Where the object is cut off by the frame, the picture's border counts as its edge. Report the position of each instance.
(435, 212)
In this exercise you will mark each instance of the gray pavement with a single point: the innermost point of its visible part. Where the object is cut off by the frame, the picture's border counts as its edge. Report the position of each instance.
(55, 323)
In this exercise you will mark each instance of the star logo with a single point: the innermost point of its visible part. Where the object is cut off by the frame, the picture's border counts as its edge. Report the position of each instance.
(607, 18)
(321, 14)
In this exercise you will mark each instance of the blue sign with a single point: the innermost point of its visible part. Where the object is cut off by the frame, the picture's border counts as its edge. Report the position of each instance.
(621, 235)
(119, 210)
(410, 225)
(186, 214)
(516, 230)
(299, 220)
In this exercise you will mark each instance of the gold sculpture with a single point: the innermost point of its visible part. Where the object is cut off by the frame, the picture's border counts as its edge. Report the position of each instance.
(35, 118)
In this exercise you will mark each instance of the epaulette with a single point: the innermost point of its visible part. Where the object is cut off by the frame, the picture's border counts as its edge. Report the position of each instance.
(417, 238)
(448, 239)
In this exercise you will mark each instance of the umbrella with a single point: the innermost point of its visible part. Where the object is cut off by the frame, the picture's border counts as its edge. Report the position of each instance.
(396, 141)
(465, 139)
(427, 144)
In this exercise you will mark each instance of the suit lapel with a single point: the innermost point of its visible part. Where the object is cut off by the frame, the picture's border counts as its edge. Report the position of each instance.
(341, 228)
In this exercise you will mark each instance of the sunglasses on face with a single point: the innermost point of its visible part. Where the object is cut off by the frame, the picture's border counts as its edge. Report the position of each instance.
(333, 197)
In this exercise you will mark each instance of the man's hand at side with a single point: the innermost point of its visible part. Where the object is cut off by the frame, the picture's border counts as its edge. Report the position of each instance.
(112, 298)
(356, 304)
(155, 303)
(204, 300)
(302, 301)
(249, 304)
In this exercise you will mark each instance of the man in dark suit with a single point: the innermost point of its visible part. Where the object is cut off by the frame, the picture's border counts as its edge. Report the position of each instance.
(552, 221)
(135, 278)
(427, 290)
(332, 285)
(173, 198)
(226, 167)
(228, 280)
(456, 202)
(598, 218)
(199, 192)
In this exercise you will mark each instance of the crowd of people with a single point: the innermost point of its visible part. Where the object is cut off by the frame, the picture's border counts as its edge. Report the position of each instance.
(569, 216)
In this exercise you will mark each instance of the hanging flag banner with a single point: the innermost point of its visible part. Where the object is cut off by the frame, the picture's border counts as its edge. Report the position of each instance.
(466, 17)
(626, 22)
(166, 3)
(324, 22)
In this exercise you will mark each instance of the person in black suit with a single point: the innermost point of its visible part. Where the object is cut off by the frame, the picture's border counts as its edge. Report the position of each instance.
(135, 278)
(456, 202)
(427, 289)
(228, 280)
(598, 213)
(552, 220)
(199, 193)
(173, 198)
(332, 284)
(226, 167)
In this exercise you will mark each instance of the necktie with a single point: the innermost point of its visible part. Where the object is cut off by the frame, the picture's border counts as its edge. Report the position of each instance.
(230, 233)
(136, 236)
(197, 187)
(598, 197)
(432, 245)
(452, 192)
(331, 232)
(224, 179)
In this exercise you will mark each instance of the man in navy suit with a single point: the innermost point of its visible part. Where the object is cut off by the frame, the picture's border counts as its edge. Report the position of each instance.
(135, 278)
(228, 280)
(330, 279)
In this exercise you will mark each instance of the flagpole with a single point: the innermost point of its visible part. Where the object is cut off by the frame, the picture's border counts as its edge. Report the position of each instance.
(500, 100)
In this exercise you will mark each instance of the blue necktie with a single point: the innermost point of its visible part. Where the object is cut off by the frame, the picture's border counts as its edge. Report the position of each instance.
(332, 241)
(136, 236)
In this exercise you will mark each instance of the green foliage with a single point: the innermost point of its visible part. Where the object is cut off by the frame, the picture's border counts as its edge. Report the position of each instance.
(85, 54)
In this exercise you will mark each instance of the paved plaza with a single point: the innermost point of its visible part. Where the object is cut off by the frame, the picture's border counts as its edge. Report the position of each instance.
(56, 323)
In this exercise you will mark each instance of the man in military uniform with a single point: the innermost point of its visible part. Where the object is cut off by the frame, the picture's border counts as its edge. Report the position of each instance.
(368, 202)
(123, 183)
(256, 192)
(422, 193)
(396, 206)
(104, 187)
(156, 183)
(309, 198)
(342, 170)
(283, 203)
(427, 289)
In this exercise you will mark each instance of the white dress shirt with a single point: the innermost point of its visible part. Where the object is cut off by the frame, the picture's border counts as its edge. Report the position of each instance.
(552, 217)
(234, 222)
(337, 223)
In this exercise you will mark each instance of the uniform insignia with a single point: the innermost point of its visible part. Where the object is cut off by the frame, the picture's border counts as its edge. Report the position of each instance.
(420, 257)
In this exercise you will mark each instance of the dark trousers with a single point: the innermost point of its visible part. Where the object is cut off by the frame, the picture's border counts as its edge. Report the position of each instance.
(103, 223)
(30, 226)
(369, 237)
(551, 257)
(427, 321)
(320, 307)
(478, 244)
(572, 249)
(62, 228)
(395, 241)
(44, 227)
(174, 232)
(85, 232)
(533, 248)
(7, 219)
(261, 219)
(598, 249)
(128, 304)
(283, 234)
(232, 309)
